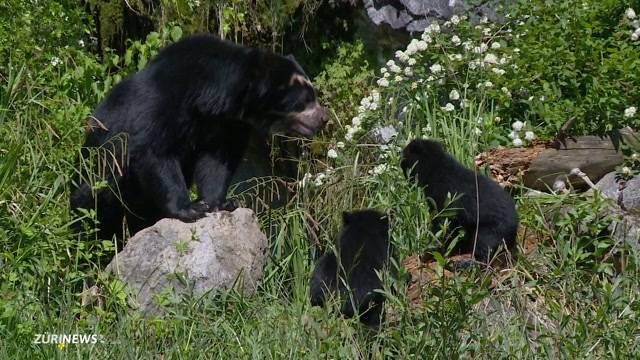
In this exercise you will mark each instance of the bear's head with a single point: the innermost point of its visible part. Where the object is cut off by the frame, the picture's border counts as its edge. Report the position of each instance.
(282, 99)
(421, 154)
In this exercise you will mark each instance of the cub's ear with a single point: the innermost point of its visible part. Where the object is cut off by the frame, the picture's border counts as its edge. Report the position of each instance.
(415, 147)
(346, 218)
(290, 57)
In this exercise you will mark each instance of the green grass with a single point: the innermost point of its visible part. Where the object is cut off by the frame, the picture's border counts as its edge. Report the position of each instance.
(564, 300)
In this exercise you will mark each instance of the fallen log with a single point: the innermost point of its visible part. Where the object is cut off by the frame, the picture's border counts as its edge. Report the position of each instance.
(541, 165)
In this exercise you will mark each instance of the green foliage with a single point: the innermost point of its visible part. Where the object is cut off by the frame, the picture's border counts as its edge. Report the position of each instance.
(34, 30)
(261, 22)
(586, 67)
(572, 297)
(344, 81)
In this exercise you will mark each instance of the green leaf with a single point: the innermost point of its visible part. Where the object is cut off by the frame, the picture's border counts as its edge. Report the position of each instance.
(176, 33)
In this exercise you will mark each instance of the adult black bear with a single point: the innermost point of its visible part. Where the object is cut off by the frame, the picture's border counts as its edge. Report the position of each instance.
(363, 248)
(185, 118)
(438, 173)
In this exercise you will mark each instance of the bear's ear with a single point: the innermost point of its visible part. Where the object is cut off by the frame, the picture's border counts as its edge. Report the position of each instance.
(291, 57)
(346, 218)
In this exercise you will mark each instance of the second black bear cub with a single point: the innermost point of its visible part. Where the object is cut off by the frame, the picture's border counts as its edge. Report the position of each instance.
(492, 214)
(185, 119)
(363, 248)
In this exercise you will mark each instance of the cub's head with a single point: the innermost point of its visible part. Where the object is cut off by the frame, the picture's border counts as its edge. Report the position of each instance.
(419, 155)
(368, 223)
(285, 100)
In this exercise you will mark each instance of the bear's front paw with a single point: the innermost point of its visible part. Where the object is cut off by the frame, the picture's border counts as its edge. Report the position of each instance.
(225, 205)
(200, 206)
(195, 211)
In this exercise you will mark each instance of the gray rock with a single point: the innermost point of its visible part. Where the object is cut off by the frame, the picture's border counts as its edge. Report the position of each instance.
(222, 250)
(626, 193)
(415, 15)
(417, 25)
(433, 8)
(383, 135)
(626, 229)
(388, 14)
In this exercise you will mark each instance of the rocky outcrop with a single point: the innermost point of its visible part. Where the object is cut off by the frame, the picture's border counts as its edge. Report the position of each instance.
(416, 15)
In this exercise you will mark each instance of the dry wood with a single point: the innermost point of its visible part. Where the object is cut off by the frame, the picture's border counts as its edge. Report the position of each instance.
(539, 166)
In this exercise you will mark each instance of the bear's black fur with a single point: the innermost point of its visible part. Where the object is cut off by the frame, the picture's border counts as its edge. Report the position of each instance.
(363, 248)
(185, 118)
(438, 173)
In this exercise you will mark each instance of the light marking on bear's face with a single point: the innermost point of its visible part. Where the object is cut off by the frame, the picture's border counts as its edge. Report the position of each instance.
(299, 79)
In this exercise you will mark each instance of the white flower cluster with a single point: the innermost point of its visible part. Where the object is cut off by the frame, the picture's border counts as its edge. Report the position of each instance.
(449, 107)
(491, 59)
(514, 135)
(486, 84)
(317, 180)
(630, 112)
(368, 103)
(481, 48)
(631, 15)
(434, 28)
(435, 68)
(55, 61)
(379, 169)
(414, 47)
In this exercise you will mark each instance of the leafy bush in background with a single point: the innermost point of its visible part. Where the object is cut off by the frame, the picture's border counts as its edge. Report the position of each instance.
(565, 299)
(34, 30)
(578, 60)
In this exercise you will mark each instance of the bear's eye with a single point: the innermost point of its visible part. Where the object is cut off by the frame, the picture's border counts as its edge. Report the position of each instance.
(298, 100)
(307, 97)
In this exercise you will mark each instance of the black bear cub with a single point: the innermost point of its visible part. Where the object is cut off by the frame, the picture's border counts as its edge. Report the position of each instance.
(492, 214)
(185, 119)
(362, 249)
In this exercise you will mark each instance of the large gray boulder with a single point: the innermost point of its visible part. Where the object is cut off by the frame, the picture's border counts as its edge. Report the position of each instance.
(219, 251)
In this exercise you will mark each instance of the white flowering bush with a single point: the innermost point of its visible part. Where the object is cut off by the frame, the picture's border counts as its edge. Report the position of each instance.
(587, 70)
